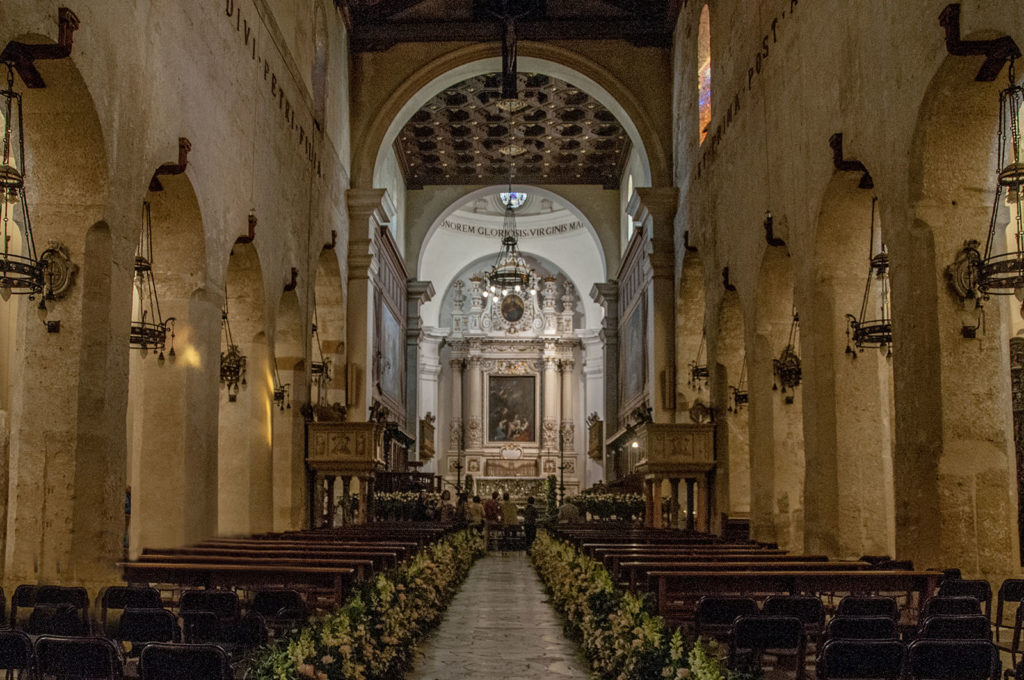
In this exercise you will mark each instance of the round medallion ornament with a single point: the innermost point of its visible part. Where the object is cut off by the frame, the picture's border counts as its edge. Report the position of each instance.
(512, 308)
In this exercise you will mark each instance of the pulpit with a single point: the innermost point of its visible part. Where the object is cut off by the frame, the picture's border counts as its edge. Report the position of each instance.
(676, 452)
(342, 450)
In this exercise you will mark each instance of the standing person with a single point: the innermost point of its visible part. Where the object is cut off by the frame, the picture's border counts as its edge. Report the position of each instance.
(509, 517)
(445, 510)
(568, 513)
(462, 509)
(492, 516)
(530, 521)
(475, 515)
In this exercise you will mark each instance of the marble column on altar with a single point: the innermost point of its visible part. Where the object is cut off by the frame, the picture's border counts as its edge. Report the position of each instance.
(473, 405)
(552, 404)
(455, 440)
(567, 429)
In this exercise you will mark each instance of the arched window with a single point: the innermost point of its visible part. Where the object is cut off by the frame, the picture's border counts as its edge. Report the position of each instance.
(704, 72)
(629, 220)
(513, 199)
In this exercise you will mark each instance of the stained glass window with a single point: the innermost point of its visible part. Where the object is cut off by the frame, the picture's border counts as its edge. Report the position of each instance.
(513, 199)
(704, 73)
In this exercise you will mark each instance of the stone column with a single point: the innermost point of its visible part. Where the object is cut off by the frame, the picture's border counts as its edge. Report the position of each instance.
(567, 430)
(690, 523)
(417, 293)
(428, 393)
(368, 209)
(659, 520)
(346, 500)
(455, 438)
(330, 501)
(473, 405)
(593, 399)
(655, 209)
(607, 295)
(552, 404)
(674, 512)
(648, 503)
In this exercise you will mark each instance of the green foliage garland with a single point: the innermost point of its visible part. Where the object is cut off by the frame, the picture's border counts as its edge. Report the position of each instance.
(372, 635)
(621, 639)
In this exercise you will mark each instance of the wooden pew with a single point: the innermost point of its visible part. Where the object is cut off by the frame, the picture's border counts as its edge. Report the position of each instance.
(677, 592)
(381, 559)
(337, 580)
(362, 568)
(635, 572)
(612, 560)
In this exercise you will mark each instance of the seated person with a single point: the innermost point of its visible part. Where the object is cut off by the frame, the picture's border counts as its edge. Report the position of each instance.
(568, 513)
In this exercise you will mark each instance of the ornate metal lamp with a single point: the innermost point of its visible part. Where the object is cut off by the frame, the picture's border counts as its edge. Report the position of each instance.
(320, 369)
(699, 373)
(1000, 270)
(232, 361)
(20, 273)
(787, 367)
(281, 399)
(868, 330)
(149, 329)
(739, 393)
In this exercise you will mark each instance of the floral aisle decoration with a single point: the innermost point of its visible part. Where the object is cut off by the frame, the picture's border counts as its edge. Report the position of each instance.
(620, 637)
(372, 635)
(623, 506)
(400, 505)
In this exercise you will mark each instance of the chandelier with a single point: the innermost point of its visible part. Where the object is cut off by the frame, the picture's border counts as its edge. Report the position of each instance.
(699, 372)
(739, 393)
(868, 330)
(510, 272)
(1000, 271)
(320, 370)
(232, 362)
(149, 329)
(281, 399)
(22, 272)
(787, 367)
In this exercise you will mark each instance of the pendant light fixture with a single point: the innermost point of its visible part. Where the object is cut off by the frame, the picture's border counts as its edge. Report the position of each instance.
(739, 394)
(281, 399)
(232, 361)
(148, 328)
(320, 368)
(873, 327)
(699, 372)
(787, 367)
(20, 272)
(999, 270)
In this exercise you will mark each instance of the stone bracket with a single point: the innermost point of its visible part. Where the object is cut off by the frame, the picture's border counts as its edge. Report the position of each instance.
(686, 242)
(184, 146)
(250, 235)
(996, 51)
(846, 165)
(725, 280)
(24, 56)
(770, 238)
(293, 282)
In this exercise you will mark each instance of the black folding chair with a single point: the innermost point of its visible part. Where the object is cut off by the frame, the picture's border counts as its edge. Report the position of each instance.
(281, 609)
(184, 662)
(223, 603)
(854, 605)
(809, 609)
(1011, 590)
(140, 627)
(779, 636)
(969, 627)
(62, 619)
(862, 628)
(716, 613)
(952, 660)
(978, 589)
(67, 658)
(16, 654)
(862, 659)
(119, 598)
(950, 606)
(24, 597)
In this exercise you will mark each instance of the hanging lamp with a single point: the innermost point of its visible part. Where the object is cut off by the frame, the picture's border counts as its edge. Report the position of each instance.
(20, 272)
(320, 369)
(787, 367)
(281, 399)
(232, 361)
(699, 372)
(873, 327)
(739, 393)
(1000, 269)
(148, 328)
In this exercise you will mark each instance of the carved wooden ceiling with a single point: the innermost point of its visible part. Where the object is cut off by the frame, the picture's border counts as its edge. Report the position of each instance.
(380, 24)
(562, 136)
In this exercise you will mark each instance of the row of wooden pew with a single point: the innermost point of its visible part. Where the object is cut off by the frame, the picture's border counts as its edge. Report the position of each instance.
(678, 567)
(322, 564)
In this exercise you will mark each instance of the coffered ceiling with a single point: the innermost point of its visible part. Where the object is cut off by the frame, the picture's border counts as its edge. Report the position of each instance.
(561, 136)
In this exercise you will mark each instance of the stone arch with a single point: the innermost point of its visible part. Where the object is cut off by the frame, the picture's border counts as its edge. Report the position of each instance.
(533, 57)
(955, 461)
(848, 422)
(290, 351)
(776, 433)
(66, 391)
(727, 357)
(245, 465)
(168, 473)
(570, 262)
(330, 320)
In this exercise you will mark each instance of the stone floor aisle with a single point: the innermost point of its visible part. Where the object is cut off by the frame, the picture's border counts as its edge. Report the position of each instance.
(499, 627)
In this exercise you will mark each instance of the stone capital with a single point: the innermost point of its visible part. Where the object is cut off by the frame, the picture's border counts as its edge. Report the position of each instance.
(655, 209)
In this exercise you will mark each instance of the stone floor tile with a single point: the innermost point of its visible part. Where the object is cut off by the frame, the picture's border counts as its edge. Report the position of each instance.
(499, 626)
